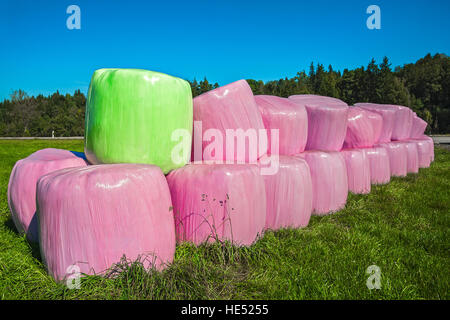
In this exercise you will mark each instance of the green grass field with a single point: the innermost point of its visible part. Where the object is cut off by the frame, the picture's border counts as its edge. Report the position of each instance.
(402, 227)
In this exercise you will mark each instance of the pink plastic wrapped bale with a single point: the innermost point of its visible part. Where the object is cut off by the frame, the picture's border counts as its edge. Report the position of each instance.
(377, 124)
(403, 118)
(93, 216)
(363, 128)
(423, 152)
(358, 170)
(329, 180)
(327, 127)
(312, 98)
(231, 107)
(289, 194)
(403, 123)
(418, 127)
(218, 202)
(431, 146)
(388, 116)
(22, 184)
(289, 118)
(327, 123)
(398, 158)
(412, 158)
(380, 171)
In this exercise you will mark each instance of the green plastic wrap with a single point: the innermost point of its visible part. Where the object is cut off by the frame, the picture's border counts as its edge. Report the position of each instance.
(131, 115)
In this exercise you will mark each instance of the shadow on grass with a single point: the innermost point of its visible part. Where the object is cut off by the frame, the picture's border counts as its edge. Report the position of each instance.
(9, 224)
(34, 246)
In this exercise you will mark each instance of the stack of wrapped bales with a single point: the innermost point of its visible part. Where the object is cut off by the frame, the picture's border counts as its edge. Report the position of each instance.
(162, 168)
(91, 216)
(327, 126)
(402, 125)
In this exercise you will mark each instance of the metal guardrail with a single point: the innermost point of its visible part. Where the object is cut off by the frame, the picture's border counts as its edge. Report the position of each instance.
(441, 139)
(437, 139)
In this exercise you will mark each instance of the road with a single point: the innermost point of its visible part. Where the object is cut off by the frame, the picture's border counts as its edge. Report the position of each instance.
(436, 139)
(441, 139)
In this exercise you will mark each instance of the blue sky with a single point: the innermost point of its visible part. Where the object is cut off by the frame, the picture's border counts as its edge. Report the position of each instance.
(222, 40)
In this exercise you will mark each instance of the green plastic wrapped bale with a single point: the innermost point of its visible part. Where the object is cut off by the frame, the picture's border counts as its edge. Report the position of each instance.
(131, 115)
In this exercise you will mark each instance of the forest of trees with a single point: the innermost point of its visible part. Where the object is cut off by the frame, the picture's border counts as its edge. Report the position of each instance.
(423, 86)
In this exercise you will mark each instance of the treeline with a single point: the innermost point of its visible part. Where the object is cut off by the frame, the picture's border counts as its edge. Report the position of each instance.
(423, 86)
(24, 116)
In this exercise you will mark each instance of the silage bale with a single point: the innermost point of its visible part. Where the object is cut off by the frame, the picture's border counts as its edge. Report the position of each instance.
(218, 202)
(327, 123)
(358, 170)
(403, 123)
(289, 118)
(388, 116)
(412, 158)
(418, 127)
(93, 216)
(363, 128)
(329, 180)
(312, 98)
(380, 171)
(431, 146)
(423, 152)
(425, 148)
(230, 107)
(132, 114)
(377, 124)
(398, 158)
(403, 119)
(22, 185)
(289, 194)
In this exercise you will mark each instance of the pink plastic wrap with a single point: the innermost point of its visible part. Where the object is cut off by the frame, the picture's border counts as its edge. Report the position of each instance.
(327, 123)
(22, 184)
(358, 170)
(289, 194)
(398, 158)
(418, 127)
(329, 180)
(363, 128)
(289, 118)
(229, 107)
(423, 153)
(311, 98)
(431, 146)
(218, 201)
(92, 216)
(388, 115)
(402, 120)
(412, 158)
(403, 123)
(380, 170)
(377, 124)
